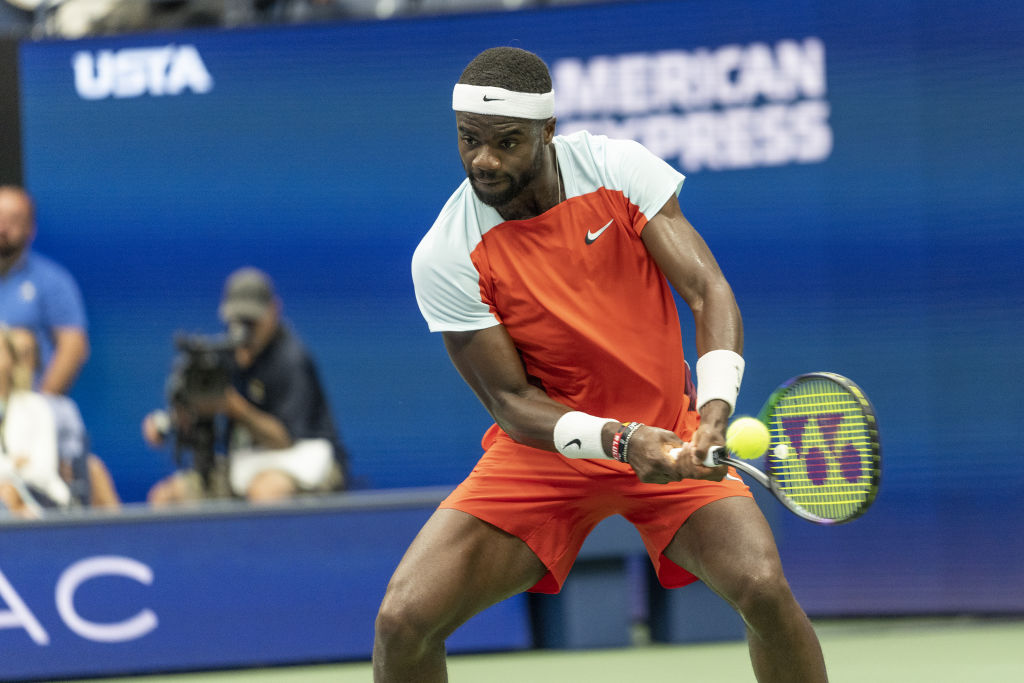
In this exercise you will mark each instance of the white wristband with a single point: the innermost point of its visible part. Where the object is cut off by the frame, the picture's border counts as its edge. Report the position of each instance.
(719, 375)
(578, 435)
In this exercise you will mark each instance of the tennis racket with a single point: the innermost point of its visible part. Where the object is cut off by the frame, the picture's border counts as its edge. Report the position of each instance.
(824, 460)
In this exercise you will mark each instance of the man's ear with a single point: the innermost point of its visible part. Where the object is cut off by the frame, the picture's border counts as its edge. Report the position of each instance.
(549, 129)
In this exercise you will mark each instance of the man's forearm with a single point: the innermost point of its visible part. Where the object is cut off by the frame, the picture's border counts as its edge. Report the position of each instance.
(71, 352)
(267, 430)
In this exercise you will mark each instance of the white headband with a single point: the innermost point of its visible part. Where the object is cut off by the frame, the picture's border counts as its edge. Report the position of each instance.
(485, 99)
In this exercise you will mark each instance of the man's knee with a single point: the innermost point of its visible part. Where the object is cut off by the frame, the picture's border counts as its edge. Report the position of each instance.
(392, 623)
(271, 486)
(168, 491)
(404, 622)
(763, 592)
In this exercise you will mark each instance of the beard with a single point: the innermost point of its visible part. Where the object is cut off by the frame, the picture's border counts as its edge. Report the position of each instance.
(515, 184)
(9, 250)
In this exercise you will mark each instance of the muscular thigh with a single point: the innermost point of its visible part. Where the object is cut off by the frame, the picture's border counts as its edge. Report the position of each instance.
(725, 544)
(457, 566)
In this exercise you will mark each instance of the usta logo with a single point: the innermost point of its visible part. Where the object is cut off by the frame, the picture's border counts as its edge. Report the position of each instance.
(133, 72)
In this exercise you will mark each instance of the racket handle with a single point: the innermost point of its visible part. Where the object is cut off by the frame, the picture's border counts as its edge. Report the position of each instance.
(715, 456)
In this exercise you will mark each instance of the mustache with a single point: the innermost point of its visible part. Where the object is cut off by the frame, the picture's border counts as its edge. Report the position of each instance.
(485, 175)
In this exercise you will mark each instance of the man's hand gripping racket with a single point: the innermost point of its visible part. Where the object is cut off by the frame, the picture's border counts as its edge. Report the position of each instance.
(823, 455)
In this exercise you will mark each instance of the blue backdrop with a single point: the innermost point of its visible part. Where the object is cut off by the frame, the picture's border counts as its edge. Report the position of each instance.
(882, 240)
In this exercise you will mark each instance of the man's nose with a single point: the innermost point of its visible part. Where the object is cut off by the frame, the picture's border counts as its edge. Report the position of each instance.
(487, 160)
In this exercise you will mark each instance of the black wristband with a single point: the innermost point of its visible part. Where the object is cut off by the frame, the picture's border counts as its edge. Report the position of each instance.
(616, 442)
(627, 433)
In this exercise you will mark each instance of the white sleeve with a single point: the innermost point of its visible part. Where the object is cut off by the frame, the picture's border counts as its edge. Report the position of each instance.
(448, 290)
(626, 166)
(446, 281)
(646, 180)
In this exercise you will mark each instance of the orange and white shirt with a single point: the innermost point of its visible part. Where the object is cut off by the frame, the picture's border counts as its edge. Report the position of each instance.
(590, 313)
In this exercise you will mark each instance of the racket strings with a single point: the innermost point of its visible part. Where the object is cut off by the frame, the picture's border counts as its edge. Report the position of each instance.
(830, 466)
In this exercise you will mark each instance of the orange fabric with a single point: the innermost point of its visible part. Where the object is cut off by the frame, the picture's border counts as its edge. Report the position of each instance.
(552, 503)
(595, 323)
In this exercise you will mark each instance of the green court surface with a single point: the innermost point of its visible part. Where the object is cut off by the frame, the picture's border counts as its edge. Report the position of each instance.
(948, 650)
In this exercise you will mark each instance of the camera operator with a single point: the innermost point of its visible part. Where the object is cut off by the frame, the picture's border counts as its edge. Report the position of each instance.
(281, 438)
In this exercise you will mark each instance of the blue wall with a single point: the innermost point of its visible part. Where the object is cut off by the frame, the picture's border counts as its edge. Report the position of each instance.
(322, 153)
(215, 588)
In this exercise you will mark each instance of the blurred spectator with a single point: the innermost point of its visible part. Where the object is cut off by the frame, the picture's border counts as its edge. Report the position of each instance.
(281, 437)
(29, 473)
(298, 11)
(77, 18)
(80, 18)
(16, 17)
(85, 473)
(39, 294)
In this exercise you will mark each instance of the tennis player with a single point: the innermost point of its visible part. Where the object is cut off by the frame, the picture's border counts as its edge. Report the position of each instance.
(549, 273)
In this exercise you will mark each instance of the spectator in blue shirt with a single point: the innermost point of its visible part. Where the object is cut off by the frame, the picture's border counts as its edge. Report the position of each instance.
(41, 295)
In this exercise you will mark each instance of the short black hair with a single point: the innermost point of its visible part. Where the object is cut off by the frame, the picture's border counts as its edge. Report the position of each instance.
(510, 68)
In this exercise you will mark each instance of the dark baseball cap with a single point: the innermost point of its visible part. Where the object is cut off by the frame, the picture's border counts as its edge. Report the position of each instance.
(248, 293)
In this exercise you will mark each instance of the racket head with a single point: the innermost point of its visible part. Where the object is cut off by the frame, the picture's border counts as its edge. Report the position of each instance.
(833, 468)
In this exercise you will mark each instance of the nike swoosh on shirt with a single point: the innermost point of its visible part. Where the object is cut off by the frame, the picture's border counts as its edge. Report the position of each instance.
(592, 236)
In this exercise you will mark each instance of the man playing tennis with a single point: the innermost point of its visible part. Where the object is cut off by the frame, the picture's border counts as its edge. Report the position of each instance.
(549, 273)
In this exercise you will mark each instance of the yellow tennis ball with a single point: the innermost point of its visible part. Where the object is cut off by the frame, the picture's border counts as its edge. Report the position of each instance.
(747, 437)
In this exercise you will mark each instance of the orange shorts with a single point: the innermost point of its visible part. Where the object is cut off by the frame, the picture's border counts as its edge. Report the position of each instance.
(552, 502)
